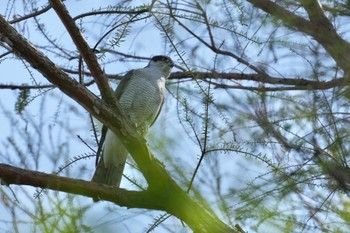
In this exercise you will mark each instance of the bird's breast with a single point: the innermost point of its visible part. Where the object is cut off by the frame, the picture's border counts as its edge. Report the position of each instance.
(142, 99)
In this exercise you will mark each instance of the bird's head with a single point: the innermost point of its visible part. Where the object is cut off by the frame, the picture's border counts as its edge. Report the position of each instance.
(162, 62)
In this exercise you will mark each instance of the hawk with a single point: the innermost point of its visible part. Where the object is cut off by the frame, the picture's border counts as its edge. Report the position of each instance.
(141, 96)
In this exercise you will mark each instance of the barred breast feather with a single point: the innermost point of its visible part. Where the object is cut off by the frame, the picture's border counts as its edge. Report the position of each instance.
(143, 98)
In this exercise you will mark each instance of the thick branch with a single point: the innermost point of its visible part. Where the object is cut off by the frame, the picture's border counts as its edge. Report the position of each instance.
(326, 35)
(286, 16)
(319, 28)
(131, 199)
(316, 14)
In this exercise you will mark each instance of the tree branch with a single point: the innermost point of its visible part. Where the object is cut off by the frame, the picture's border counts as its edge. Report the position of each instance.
(298, 83)
(290, 83)
(110, 12)
(85, 51)
(283, 84)
(319, 28)
(286, 16)
(316, 14)
(24, 86)
(131, 199)
(31, 15)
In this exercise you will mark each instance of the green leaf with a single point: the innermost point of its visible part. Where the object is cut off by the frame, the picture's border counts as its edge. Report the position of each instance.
(22, 100)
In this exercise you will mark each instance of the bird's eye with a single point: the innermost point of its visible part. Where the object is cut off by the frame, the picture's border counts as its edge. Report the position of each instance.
(165, 59)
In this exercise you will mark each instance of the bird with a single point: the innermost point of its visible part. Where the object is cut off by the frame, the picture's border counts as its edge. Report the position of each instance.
(141, 95)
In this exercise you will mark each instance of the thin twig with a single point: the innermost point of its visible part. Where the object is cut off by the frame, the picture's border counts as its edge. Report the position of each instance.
(35, 13)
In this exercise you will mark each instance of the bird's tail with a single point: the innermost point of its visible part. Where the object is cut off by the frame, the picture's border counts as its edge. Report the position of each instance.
(109, 169)
(109, 175)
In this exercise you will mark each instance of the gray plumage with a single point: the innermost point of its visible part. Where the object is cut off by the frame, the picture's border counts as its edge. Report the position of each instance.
(141, 95)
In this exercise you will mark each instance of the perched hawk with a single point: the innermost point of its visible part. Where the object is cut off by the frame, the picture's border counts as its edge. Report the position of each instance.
(141, 96)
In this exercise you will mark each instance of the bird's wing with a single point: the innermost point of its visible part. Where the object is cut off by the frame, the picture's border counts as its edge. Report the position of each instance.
(124, 83)
(101, 142)
(118, 92)
(159, 110)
